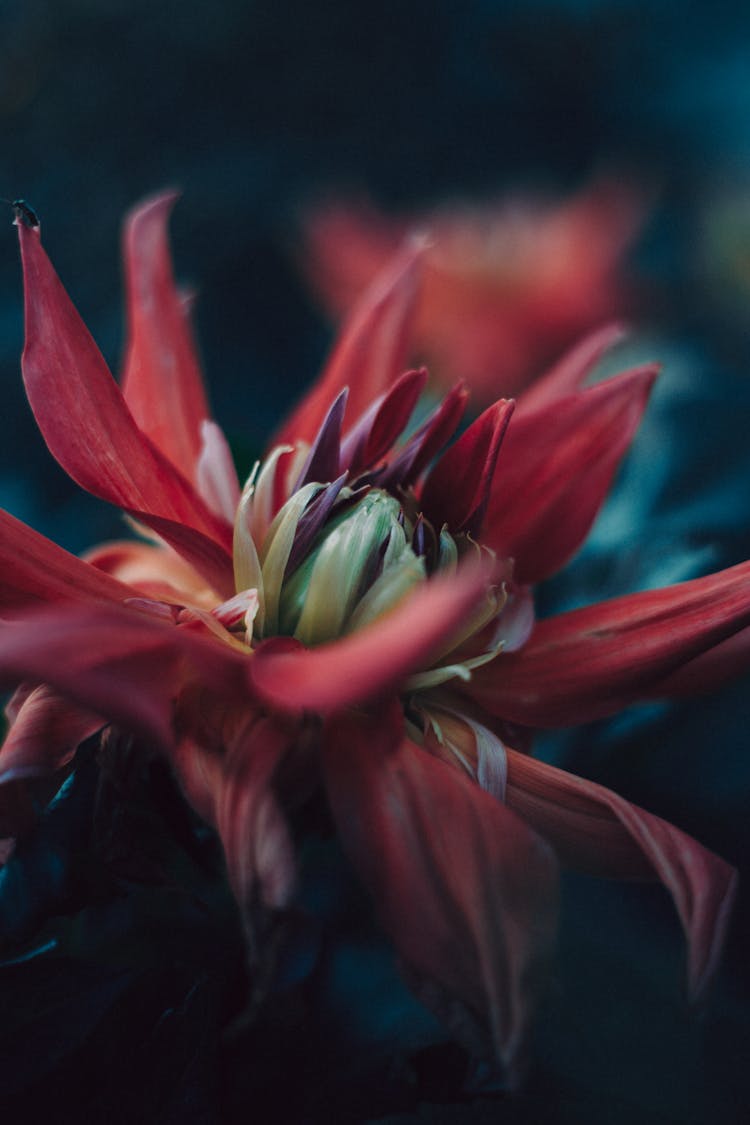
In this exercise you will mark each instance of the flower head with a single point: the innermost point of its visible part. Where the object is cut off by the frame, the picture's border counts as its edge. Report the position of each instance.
(357, 617)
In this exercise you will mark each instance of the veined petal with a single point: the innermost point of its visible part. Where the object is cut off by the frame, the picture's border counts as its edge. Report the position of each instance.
(465, 890)
(570, 372)
(458, 488)
(371, 352)
(44, 735)
(375, 660)
(555, 469)
(35, 571)
(122, 664)
(594, 661)
(601, 833)
(162, 383)
(85, 421)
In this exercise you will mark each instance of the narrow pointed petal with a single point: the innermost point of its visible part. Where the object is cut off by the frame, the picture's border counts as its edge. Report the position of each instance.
(36, 571)
(555, 470)
(215, 474)
(570, 372)
(428, 440)
(594, 661)
(374, 660)
(83, 417)
(465, 890)
(457, 490)
(379, 427)
(371, 352)
(322, 463)
(45, 735)
(162, 382)
(599, 832)
(119, 663)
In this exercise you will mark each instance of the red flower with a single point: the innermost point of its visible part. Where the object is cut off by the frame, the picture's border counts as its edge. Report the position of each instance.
(507, 286)
(352, 621)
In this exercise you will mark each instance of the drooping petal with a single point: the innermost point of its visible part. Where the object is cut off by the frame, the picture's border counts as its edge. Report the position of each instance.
(45, 735)
(375, 659)
(122, 664)
(232, 789)
(555, 469)
(465, 890)
(371, 352)
(457, 490)
(162, 382)
(35, 571)
(570, 372)
(594, 661)
(599, 832)
(86, 423)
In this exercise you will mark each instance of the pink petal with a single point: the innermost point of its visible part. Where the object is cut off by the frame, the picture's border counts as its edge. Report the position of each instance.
(599, 832)
(84, 419)
(155, 571)
(555, 469)
(457, 490)
(35, 570)
(371, 352)
(162, 384)
(376, 659)
(45, 735)
(122, 664)
(594, 661)
(215, 474)
(570, 372)
(467, 893)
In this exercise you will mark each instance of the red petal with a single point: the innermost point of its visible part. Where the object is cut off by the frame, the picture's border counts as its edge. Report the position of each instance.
(232, 789)
(45, 735)
(118, 663)
(428, 440)
(594, 661)
(457, 490)
(382, 423)
(83, 416)
(467, 893)
(35, 570)
(371, 351)
(373, 661)
(570, 372)
(599, 832)
(162, 382)
(555, 469)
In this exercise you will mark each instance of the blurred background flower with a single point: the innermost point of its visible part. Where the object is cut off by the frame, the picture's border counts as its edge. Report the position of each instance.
(259, 111)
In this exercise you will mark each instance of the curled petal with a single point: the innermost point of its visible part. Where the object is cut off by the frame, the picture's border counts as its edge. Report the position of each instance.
(162, 382)
(594, 661)
(85, 420)
(457, 490)
(45, 735)
(555, 469)
(599, 832)
(375, 659)
(371, 352)
(465, 890)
